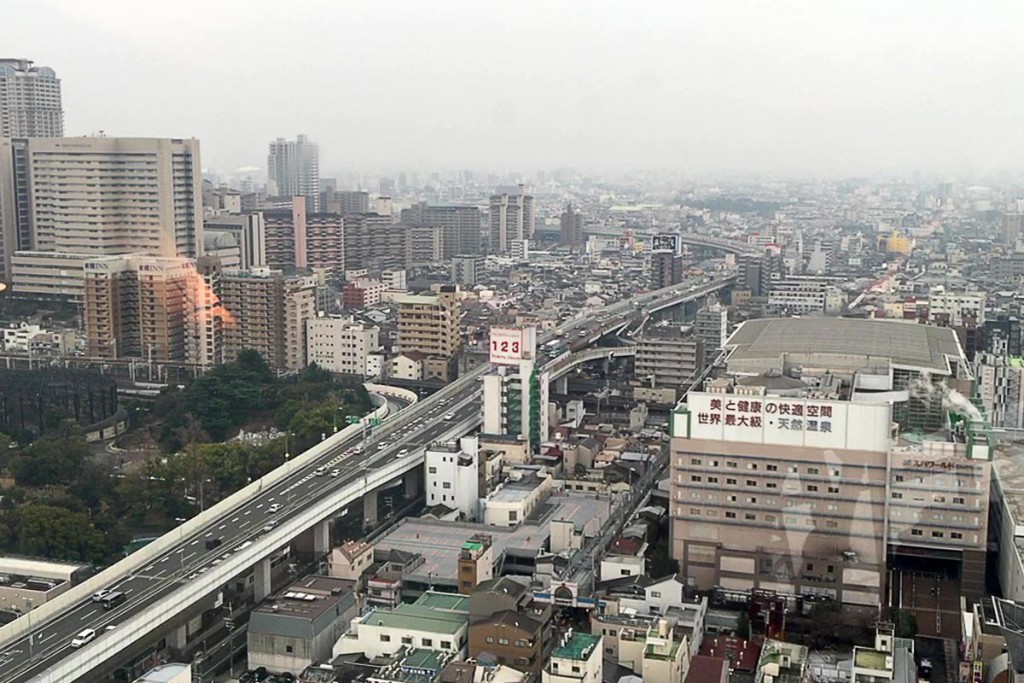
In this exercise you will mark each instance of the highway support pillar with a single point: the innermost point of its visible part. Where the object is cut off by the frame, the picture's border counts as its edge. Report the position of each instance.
(412, 484)
(370, 508)
(178, 638)
(562, 386)
(261, 580)
(322, 538)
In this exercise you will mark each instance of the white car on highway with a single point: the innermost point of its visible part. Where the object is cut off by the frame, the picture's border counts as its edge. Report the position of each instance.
(274, 508)
(83, 638)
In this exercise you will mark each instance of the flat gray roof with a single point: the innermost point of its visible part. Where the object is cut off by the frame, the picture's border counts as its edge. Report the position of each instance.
(439, 542)
(926, 348)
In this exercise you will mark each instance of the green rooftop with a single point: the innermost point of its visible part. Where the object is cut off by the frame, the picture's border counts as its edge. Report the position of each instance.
(579, 647)
(444, 601)
(866, 658)
(418, 618)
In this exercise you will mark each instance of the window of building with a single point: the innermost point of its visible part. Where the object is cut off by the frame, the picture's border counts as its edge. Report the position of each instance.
(502, 641)
(812, 488)
(899, 477)
(513, 515)
(772, 468)
(752, 499)
(730, 482)
(446, 485)
(750, 516)
(916, 532)
(575, 669)
(831, 523)
(694, 461)
(956, 535)
(446, 644)
(751, 482)
(940, 499)
(490, 640)
(731, 463)
(771, 485)
(712, 480)
(384, 638)
(731, 499)
(730, 515)
(432, 470)
(833, 489)
(958, 501)
(694, 477)
(714, 463)
(655, 594)
(427, 642)
(406, 640)
(522, 643)
(770, 519)
(812, 470)
(694, 511)
(897, 495)
(289, 649)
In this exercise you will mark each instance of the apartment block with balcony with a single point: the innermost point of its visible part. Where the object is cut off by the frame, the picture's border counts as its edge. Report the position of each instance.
(340, 344)
(430, 324)
(669, 356)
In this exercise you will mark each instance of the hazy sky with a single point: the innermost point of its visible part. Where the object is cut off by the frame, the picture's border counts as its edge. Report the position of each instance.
(792, 87)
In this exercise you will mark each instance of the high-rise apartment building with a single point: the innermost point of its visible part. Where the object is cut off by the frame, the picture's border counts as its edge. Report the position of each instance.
(345, 201)
(30, 102)
(293, 170)
(430, 324)
(266, 311)
(424, 245)
(247, 233)
(571, 222)
(711, 325)
(467, 270)
(142, 307)
(512, 218)
(372, 241)
(665, 268)
(341, 344)
(669, 356)
(86, 197)
(460, 226)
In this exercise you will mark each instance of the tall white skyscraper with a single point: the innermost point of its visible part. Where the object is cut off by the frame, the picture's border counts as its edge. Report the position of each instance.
(512, 218)
(30, 104)
(293, 169)
(95, 197)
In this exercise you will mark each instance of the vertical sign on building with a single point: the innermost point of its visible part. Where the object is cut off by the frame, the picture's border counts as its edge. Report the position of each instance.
(510, 345)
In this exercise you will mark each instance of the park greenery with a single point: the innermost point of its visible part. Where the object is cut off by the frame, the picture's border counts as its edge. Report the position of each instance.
(66, 499)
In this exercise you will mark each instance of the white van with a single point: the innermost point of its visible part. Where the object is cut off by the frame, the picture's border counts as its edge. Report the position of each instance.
(83, 638)
(320, 471)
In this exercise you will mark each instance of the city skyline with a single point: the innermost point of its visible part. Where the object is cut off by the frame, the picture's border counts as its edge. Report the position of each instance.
(787, 88)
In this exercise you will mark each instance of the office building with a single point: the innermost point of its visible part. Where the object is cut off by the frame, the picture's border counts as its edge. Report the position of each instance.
(758, 272)
(460, 226)
(429, 323)
(30, 101)
(711, 324)
(293, 170)
(141, 307)
(467, 270)
(85, 197)
(571, 223)
(340, 344)
(266, 311)
(669, 356)
(511, 218)
(373, 242)
(665, 268)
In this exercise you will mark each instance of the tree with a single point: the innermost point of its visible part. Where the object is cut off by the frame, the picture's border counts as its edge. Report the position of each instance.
(50, 461)
(56, 532)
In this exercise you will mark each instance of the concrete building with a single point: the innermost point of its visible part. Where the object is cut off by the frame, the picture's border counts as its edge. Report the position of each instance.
(350, 560)
(248, 232)
(513, 404)
(436, 621)
(512, 217)
(345, 201)
(395, 279)
(1000, 386)
(669, 356)
(30, 101)
(759, 272)
(578, 658)
(340, 344)
(781, 662)
(517, 499)
(956, 308)
(891, 659)
(142, 307)
(27, 583)
(711, 325)
(571, 227)
(805, 295)
(452, 476)
(519, 251)
(54, 186)
(507, 624)
(467, 270)
(459, 227)
(425, 245)
(286, 235)
(293, 170)
(665, 268)
(430, 324)
(476, 563)
(361, 293)
(167, 673)
(266, 311)
(299, 626)
(325, 242)
(372, 241)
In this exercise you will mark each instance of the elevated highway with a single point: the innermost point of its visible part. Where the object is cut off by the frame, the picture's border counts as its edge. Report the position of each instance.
(169, 579)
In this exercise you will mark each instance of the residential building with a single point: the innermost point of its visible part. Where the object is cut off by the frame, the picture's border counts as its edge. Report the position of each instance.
(49, 188)
(408, 365)
(665, 268)
(430, 323)
(571, 227)
(350, 560)
(459, 226)
(266, 311)
(300, 625)
(711, 325)
(507, 624)
(476, 563)
(142, 307)
(425, 245)
(577, 659)
(782, 662)
(800, 295)
(325, 242)
(286, 236)
(247, 233)
(518, 499)
(345, 201)
(513, 398)
(340, 344)
(452, 476)
(293, 170)
(512, 217)
(891, 659)
(759, 272)
(669, 356)
(372, 241)
(956, 308)
(467, 270)
(519, 251)
(395, 279)
(362, 292)
(1000, 386)
(30, 100)
(436, 621)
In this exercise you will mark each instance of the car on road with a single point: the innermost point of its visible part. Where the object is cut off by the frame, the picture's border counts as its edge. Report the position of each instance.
(320, 471)
(404, 451)
(113, 599)
(381, 446)
(335, 472)
(83, 638)
(102, 593)
(274, 508)
(449, 417)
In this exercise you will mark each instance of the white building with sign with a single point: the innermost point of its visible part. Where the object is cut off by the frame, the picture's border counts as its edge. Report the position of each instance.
(515, 396)
(775, 490)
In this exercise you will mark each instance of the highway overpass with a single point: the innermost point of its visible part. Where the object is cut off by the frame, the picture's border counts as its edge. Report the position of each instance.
(172, 577)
